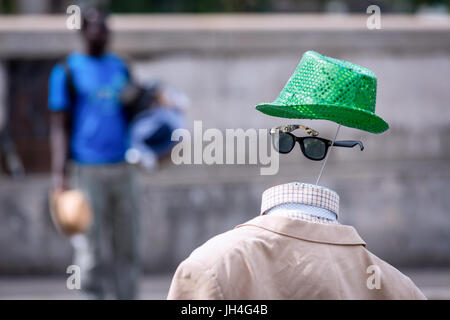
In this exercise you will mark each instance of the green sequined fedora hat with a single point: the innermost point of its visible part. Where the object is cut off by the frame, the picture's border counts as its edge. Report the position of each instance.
(329, 89)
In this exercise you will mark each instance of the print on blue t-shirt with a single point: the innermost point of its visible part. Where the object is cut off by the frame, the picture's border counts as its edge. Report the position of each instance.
(99, 128)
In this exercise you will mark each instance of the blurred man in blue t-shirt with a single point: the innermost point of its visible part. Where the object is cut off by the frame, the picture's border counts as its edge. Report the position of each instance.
(89, 129)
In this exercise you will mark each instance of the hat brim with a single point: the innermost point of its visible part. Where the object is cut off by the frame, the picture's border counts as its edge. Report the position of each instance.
(349, 117)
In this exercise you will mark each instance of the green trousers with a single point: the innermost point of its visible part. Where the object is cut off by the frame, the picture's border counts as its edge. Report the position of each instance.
(108, 254)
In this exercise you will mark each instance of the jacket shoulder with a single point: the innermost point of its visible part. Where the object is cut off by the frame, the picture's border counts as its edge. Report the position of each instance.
(199, 276)
(228, 244)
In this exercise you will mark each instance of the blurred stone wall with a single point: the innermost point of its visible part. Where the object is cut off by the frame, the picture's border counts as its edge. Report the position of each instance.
(395, 192)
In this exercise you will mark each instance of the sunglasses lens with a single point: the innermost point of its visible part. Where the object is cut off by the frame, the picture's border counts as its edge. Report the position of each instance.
(314, 148)
(284, 143)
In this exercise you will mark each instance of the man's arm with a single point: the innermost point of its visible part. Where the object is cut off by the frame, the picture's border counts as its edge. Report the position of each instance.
(60, 101)
(59, 141)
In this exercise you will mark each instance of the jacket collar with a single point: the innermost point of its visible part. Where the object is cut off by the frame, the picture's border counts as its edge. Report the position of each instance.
(314, 232)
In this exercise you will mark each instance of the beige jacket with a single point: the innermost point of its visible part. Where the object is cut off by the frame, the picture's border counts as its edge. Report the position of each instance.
(272, 257)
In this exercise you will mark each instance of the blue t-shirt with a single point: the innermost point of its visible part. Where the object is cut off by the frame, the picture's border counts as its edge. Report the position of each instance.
(99, 131)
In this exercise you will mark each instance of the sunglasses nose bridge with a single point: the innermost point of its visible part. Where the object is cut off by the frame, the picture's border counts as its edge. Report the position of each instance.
(299, 140)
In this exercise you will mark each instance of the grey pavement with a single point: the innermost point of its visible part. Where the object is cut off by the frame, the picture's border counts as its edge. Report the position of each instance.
(154, 287)
(434, 283)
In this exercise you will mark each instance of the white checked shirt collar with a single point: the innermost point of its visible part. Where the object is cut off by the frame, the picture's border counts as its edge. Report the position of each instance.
(300, 193)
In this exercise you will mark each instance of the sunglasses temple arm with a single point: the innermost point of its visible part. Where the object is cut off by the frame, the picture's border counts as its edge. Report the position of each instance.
(349, 144)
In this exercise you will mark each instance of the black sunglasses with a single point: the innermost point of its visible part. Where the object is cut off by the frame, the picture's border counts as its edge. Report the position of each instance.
(314, 148)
